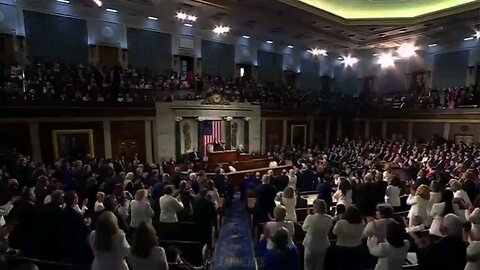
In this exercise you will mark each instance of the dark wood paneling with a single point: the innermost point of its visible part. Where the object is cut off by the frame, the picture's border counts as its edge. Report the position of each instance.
(297, 122)
(46, 144)
(348, 128)
(397, 128)
(319, 132)
(125, 131)
(359, 129)
(274, 132)
(425, 131)
(15, 135)
(375, 129)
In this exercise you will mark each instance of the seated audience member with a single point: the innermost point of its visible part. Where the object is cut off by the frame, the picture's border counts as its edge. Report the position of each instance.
(378, 227)
(265, 201)
(99, 203)
(392, 193)
(140, 209)
(204, 216)
(392, 253)
(271, 227)
(316, 242)
(109, 244)
(343, 195)
(175, 262)
(289, 200)
(145, 254)
(349, 239)
(440, 210)
(186, 197)
(419, 201)
(447, 252)
(283, 255)
(169, 206)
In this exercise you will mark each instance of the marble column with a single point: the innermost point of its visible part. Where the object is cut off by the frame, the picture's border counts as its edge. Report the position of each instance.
(384, 130)
(246, 133)
(178, 132)
(284, 132)
(201, 147)
(35, 141)
(446, 131)
(228, 133)
(107, 139)
(410, 131)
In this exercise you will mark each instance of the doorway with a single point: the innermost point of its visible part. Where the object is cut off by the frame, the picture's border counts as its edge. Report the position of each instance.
(108, 56)
(128, 148)
(244, 71)
(186, 65)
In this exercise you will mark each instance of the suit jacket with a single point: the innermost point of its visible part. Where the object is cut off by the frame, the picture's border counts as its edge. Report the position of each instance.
(265, 203)
(74, 233)
(379, 189)
(307, 179)
(50, 240)
(449, 253)
(324, 191)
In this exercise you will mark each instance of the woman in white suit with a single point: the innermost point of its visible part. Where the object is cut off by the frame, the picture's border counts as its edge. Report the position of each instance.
(439, 210)
(140, 209)
(392, 193)
(419, 200)
(108, 243)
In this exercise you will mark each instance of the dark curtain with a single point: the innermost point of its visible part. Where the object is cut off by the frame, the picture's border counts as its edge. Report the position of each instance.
(346, 80)
(450, 69)
(269, 66)
(310, 79)
(147, 49)
(55, 37)
(218, 59)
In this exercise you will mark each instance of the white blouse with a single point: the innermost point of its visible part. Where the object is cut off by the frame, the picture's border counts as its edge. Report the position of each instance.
(343, 199)
(389, 257)
(473, 251)
(348, 234)
(156, 261)
(419, 208)
(272, 228)
(113, 259)
(290, 206)
(474, 218)
(392, 196)
(436, 213)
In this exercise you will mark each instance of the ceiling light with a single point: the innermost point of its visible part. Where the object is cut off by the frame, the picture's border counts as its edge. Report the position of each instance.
(386, 60)
(477, 34)
(220, 29)
(188, 25)
(192, 18)
(269, 41)
(112, 10)
(349, 61)
(63, 1)
(181, 15)
(432, 45)
(468, 38)
(186, 17)
(406, 50)
(98, 2)
(290, 46)
(246, 36)
(340, 58)
(375, 54)
(152, 18)
(318, 52)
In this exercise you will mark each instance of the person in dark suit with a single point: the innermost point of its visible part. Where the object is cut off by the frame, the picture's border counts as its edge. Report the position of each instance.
(364, 197)
(74, 234)
(50, 221)
(25, 231)
(306, 179)
(194, 156)
(324, 191)
(379, 189)
(204, 216)
(469, 185)
(280, 182)
(176, 177)
(220, 181)
(265, 203)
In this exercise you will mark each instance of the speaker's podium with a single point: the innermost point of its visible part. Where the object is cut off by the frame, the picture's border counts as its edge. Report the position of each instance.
(222, 156)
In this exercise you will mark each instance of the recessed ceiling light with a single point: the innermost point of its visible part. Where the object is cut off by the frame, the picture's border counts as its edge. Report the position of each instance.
(63, 1)
(269, 41)
(98, 2)
(188, 25)
(220, 29)
(375, 54)
(111, 10)
(245, 36)
(152, 18)
(290, 46)
(432, 45)
(192, 18)
(477, 34)
(468, 38)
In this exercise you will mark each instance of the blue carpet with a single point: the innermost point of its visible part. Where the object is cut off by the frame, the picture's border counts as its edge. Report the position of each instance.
(234, 250)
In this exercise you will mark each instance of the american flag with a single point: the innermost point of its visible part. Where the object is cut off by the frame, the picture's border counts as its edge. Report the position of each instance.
(212, 132)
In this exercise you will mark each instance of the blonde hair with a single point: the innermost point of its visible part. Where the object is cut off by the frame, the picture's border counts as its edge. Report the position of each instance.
(289, 192)
(100, 194)
(141, 194)
(423, 191)
(279, 213)
(455, 185)
(105, 228)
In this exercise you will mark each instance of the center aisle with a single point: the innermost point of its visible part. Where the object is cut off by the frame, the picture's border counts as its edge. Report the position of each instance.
(234, 248)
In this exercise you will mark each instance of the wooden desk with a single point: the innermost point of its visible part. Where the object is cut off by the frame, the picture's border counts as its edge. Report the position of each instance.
(222, 157)
(244, 157)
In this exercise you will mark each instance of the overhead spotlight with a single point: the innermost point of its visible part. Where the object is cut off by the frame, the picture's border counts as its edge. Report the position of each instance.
(112, 10)
(186, 17)
(406, 50)
(245, 36)
(290, 46)
(432, 45)
(188, 25)
(317, 52)
(269, 42)
(468, 38)
(220, 29)
(181, 15)
(192, 18)
(152, 18)
(386, 60)
(98, 2)
(349, 61)
(477, 34)
(63, 1)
